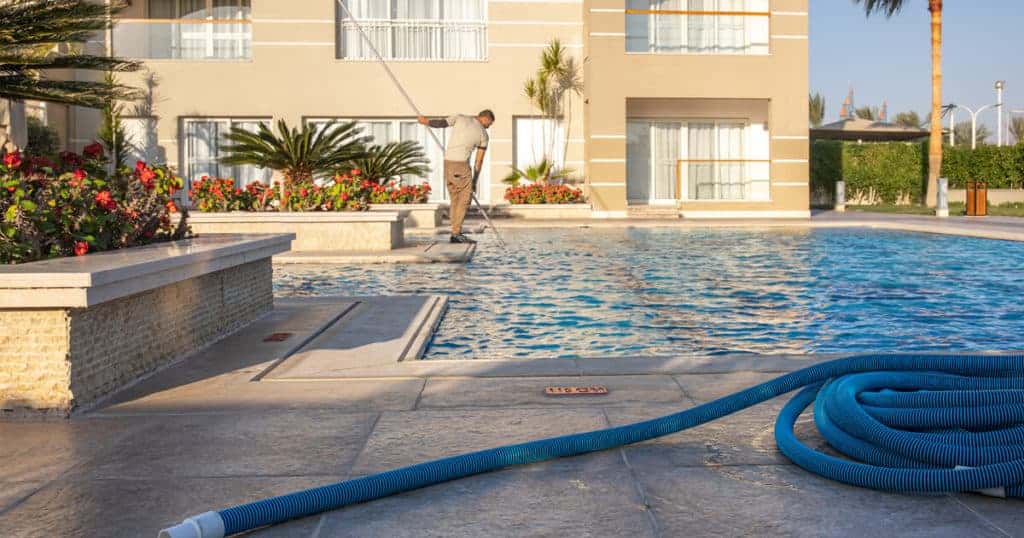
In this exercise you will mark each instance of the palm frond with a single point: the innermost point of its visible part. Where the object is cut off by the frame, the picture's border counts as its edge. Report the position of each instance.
(381, 163)
(541, 173)
(301, 154)
(885, 7)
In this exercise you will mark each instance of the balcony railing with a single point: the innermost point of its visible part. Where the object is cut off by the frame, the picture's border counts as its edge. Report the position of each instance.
(697, 32)
(424, 40)
(183, 39)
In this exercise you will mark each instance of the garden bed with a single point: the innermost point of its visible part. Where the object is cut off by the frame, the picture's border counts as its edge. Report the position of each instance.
(80, 328)
(368, 231)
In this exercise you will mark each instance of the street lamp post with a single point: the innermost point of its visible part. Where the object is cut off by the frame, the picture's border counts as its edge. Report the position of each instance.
(974, 121)
(1000, 85)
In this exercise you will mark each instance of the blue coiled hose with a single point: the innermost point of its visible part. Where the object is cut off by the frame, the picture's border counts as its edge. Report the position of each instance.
(913, 423)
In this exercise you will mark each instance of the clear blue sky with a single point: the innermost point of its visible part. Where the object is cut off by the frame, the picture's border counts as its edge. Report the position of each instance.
(889, 59)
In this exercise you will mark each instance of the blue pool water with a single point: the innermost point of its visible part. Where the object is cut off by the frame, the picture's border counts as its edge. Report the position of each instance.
(668, 292)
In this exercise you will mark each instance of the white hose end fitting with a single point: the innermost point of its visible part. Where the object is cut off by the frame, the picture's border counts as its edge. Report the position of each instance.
(208, 525)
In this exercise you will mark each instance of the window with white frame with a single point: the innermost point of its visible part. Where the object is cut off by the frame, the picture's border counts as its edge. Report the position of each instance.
(201, 141)
(386, 130)
(697, 26)
(697, 160)
(537, 139)
(426, 30)
(188, 30)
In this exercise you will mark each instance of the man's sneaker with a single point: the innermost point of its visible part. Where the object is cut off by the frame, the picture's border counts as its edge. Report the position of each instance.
(461, 238)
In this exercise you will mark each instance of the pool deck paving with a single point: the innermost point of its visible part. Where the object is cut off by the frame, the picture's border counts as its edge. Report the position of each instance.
(230, 425)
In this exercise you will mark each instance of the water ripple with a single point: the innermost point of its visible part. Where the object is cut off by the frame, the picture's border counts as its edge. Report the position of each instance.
(637, 292)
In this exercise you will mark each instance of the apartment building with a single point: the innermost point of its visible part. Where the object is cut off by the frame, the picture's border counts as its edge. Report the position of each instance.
(695, 106)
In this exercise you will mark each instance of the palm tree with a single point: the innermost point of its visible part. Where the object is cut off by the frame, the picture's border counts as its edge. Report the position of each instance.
(890, 8)
(962, 134)
(381, 163)
(908, 119)
(551, 91)
(300, 155)
(867, 113)
(817, 102)
(1017, 129)
(30, 32)
(540, 173)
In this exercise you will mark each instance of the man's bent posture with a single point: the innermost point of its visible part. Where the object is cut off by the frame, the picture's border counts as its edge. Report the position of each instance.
(468, 132)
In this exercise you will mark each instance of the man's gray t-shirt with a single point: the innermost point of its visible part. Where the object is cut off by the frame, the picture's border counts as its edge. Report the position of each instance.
(466, 134)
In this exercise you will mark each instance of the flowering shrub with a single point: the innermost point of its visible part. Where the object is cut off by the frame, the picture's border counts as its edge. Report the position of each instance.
(543, 194)
(74, 207)
(348, 192)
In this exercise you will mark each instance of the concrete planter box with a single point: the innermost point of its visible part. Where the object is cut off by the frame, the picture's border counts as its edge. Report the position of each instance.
(368, 231)
(417, 216)
(543, 211)
(78, 329)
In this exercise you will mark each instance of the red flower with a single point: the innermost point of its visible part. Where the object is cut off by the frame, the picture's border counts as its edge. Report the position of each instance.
(303, 192)
(344, 197)
(71, 158)
(81, 248)
(93, 151)
(140, 166)
(356, 172)
(11, 189)
(171, 206)
(13, 159)
(146, 176)
(104, 200)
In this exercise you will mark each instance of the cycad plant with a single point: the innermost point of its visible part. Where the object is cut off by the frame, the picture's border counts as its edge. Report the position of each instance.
(541, 173)
(890, 8)
(38, 37)
(300, 155)
(381, 163)
(817, 105)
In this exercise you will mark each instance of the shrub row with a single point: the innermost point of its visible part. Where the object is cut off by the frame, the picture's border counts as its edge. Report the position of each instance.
(74, 207)
(348, 192)
(890, 171)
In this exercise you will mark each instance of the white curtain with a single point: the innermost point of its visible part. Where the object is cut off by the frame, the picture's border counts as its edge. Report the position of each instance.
(418, 133)
(700, 151)
(732, 32)
(537, 138)
(201, 141)
(249, 173)
(700, 33)
(732, 177)
(665, 141)
(638, 161)
(380, 131)
(667, 30)
(416, 29)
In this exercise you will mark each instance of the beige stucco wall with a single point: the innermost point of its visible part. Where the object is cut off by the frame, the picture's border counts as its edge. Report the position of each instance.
(58, 359)
(294, 75)
(615, 77)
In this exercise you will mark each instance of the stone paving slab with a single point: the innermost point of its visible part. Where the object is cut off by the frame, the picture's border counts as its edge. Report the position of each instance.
(783, 500)
(359, 395)
(221, 445)
(407, 438)
(44, 451)
(429, 252)
(529, 392)
(378, 332)
(514, 502)
(140, 508)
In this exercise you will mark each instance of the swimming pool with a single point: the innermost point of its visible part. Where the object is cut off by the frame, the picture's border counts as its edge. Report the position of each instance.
(628, 292)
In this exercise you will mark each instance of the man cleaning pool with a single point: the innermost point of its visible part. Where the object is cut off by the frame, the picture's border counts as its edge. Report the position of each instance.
(468, 132)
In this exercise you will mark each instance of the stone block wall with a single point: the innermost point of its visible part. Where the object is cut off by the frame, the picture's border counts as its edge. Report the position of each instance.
(57, 359)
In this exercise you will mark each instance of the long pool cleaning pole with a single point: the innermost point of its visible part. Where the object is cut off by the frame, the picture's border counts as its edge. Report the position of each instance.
(415, 109)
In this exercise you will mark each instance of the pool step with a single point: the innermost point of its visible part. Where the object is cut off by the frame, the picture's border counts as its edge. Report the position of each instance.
(652, 212)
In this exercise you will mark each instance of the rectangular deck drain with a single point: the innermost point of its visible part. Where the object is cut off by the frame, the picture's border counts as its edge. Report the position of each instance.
(278, 337)
(596, 390)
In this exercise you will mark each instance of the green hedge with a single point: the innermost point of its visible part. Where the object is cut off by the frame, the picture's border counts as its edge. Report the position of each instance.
(893, 170)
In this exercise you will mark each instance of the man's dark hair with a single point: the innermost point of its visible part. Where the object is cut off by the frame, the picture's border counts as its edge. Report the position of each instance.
(486, 113)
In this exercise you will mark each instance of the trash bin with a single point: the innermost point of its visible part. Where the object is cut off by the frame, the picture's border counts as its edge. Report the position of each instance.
(977, 199)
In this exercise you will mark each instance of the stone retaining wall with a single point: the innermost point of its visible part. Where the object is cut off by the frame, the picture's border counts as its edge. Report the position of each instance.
(57, 359)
